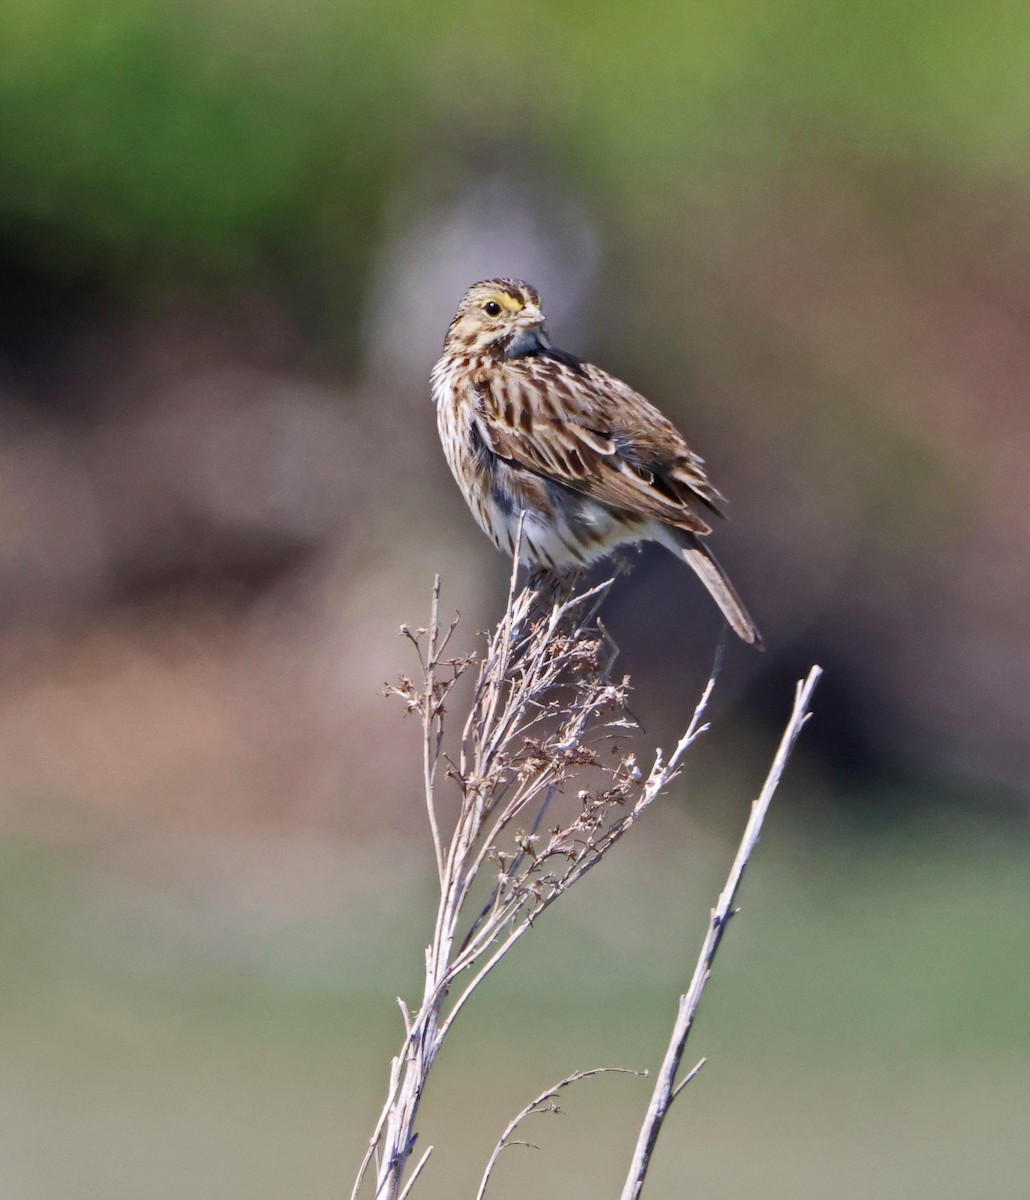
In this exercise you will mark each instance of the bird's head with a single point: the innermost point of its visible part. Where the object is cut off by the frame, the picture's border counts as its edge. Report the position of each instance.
(499, 314)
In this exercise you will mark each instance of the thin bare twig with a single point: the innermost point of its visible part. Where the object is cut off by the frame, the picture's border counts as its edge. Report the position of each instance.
(665, 1088)
(415, 1174)
(534, 1106)
(431, 725)
(373, 1141)
(688, 1077)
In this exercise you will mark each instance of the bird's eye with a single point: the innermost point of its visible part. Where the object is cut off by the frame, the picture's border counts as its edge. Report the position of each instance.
(492, 308)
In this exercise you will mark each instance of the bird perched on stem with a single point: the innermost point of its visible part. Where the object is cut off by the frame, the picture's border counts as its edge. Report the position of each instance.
(529, 429)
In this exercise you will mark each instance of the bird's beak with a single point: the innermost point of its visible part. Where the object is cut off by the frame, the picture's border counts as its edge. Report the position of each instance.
(530, 317)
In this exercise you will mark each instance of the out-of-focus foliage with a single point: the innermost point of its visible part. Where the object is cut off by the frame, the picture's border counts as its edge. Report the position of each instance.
(138, 137)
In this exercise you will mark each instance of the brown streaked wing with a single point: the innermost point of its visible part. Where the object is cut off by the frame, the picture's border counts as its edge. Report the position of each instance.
(586, 429)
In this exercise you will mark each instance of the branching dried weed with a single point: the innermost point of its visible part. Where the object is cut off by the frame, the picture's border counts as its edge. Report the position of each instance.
(542, 786)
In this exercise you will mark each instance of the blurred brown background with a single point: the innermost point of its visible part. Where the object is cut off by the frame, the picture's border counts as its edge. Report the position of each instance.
(231, 238)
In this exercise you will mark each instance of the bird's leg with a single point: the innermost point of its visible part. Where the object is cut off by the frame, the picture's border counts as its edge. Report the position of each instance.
(551, 584)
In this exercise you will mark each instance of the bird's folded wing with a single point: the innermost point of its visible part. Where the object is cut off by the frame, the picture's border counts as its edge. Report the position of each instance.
(574, 423)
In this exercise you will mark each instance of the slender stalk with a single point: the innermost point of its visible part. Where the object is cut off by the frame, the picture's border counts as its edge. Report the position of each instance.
(543, 1103)
(431, 726)
(665, 1087)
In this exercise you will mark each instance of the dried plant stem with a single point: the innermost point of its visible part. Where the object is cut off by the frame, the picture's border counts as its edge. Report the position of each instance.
(666, 1089)
(545, 718)
(415, 1174)
(543, 709)
(433, 723)
(660, 776)
(545, 1102)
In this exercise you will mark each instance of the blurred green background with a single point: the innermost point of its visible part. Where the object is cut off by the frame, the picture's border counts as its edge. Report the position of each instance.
(231, 238)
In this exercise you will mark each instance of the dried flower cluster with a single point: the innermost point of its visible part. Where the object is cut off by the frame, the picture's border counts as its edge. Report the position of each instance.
(544, 712)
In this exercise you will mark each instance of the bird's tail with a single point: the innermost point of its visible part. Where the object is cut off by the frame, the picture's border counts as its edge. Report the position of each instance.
(689, 547)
